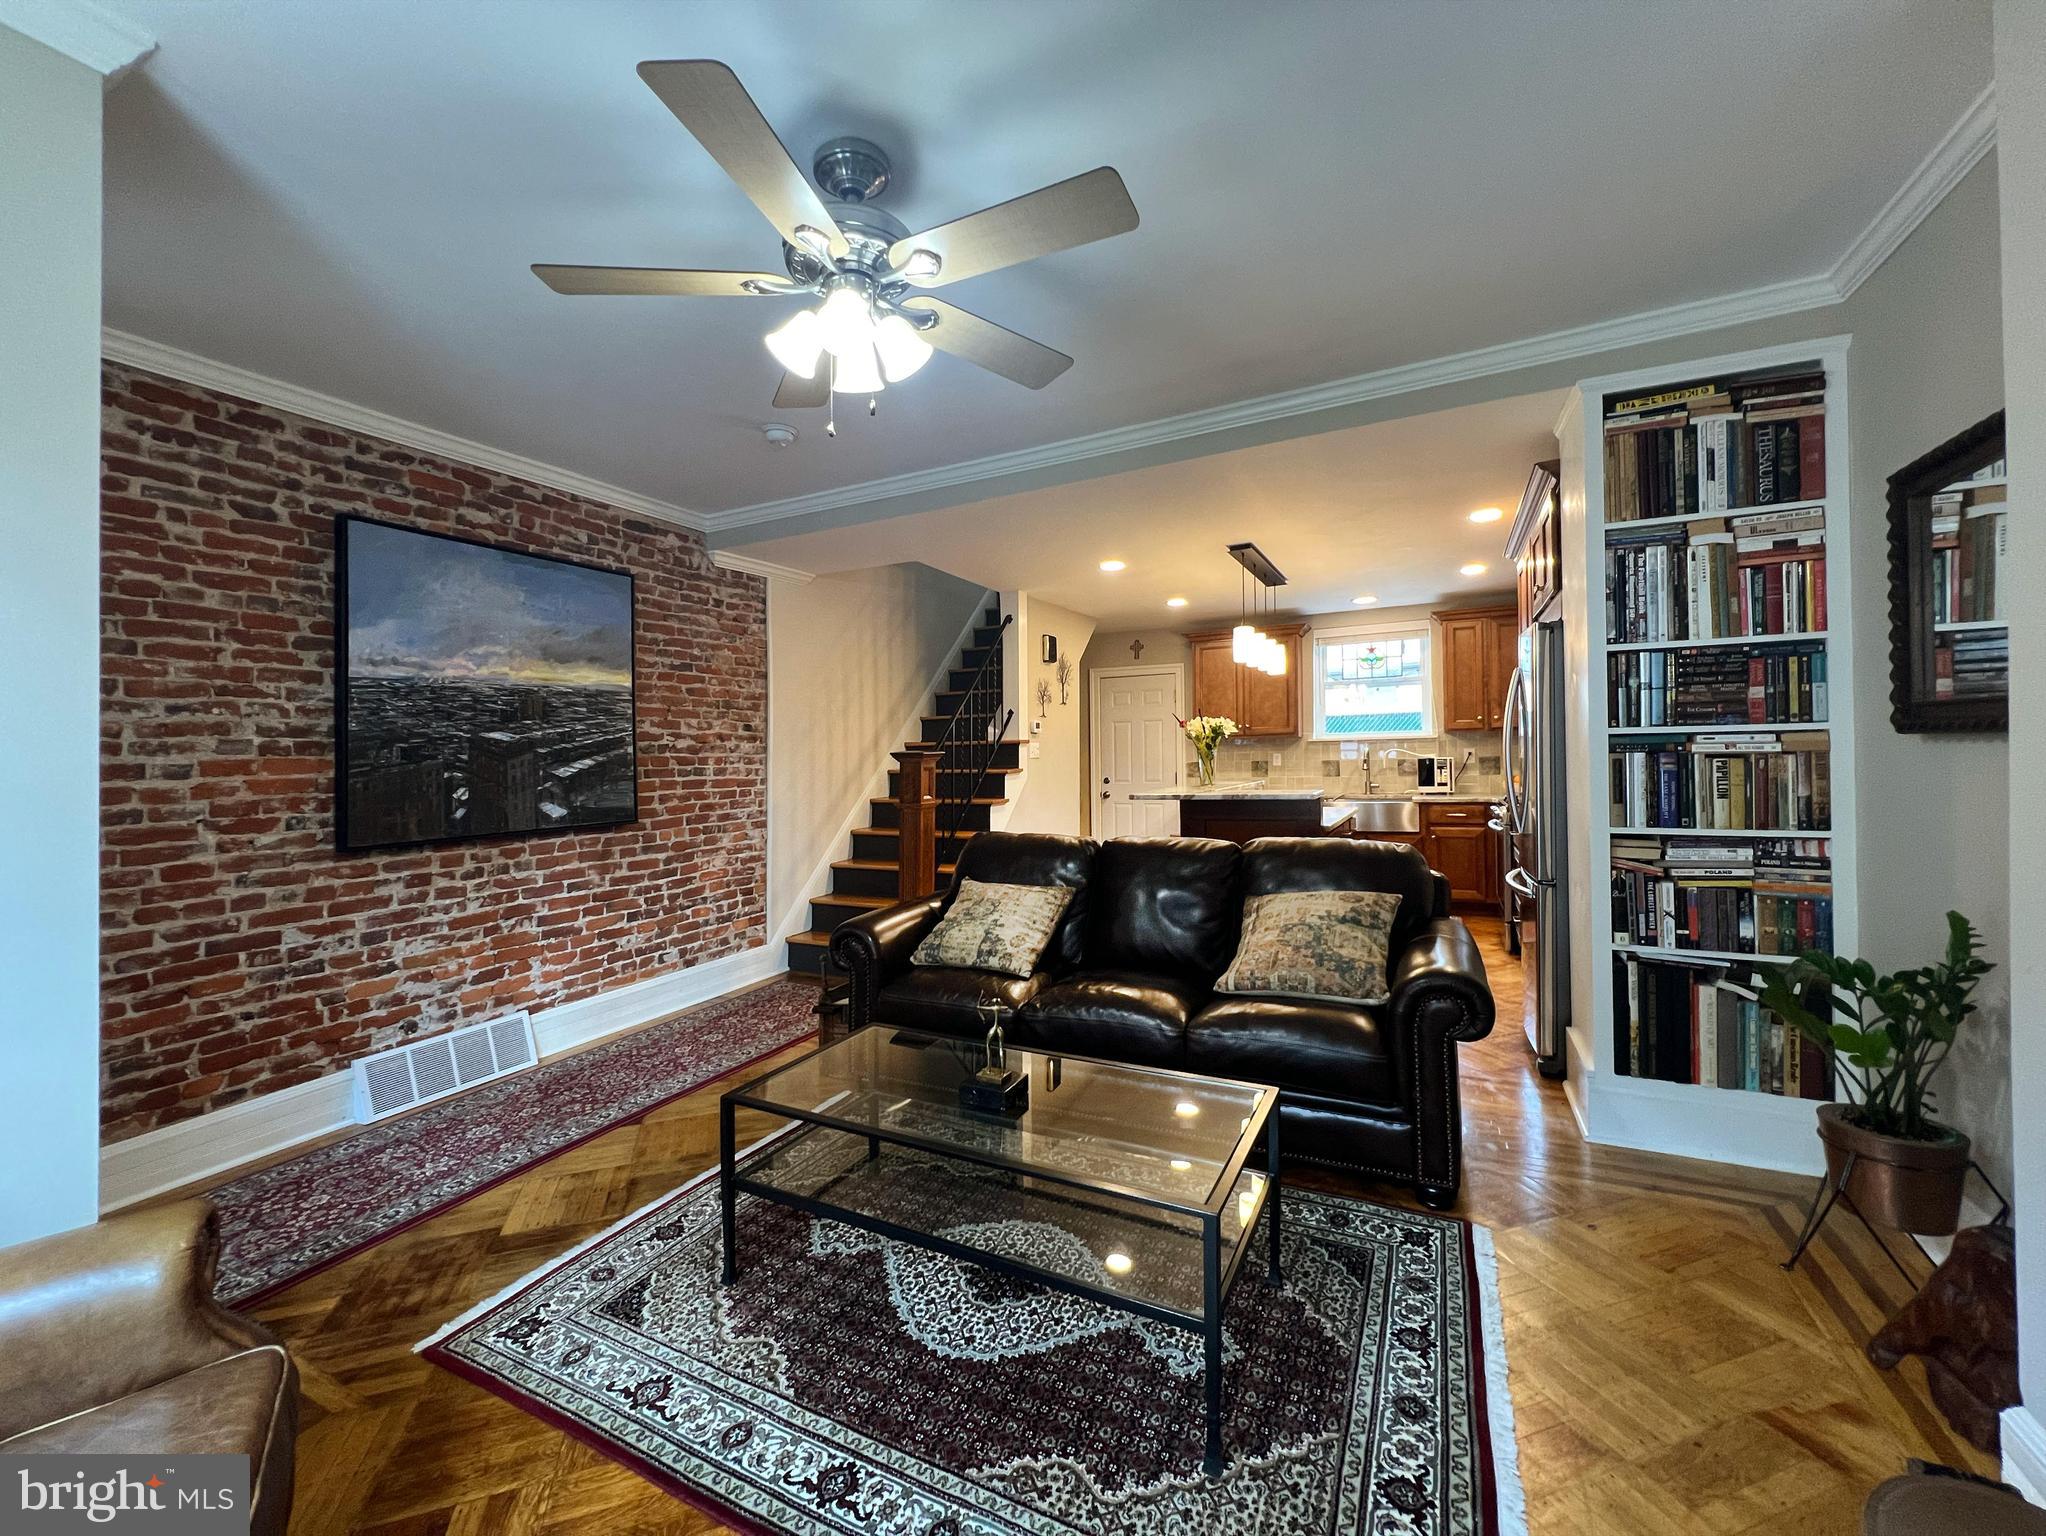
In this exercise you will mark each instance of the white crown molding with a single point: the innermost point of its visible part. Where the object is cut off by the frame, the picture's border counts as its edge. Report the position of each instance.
(176, 363)
(1963, 146)
(104, 44)
(732, 560)
(2024, 1453)
(1507, 357)
(1972, 137)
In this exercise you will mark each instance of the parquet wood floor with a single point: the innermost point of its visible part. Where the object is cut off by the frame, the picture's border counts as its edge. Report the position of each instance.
(1667, 1375)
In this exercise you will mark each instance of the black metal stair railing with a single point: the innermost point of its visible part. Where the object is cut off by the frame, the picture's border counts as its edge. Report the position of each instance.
(972, 738)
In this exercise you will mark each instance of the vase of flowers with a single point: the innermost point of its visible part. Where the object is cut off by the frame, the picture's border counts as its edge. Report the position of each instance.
(1887, 1037)
(1207, 732)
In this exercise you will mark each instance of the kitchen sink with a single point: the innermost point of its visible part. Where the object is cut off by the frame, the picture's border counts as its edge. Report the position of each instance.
(1386, 816)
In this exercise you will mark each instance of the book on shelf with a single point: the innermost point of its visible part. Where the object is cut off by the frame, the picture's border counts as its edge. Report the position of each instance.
(1714, 578)
(1970, 663)
(1708, 447)
(1772, 896)
(1683, 1021)
(1736, 780)
(1969, 542)
(1749, 685)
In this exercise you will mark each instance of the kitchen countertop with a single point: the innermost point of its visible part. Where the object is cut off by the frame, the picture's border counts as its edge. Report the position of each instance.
(1250, 789)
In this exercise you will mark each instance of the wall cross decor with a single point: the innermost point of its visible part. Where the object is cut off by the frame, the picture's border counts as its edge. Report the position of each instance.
(1136, 650)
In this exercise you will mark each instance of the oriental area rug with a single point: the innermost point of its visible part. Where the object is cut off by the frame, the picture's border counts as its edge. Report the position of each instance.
(283, 1222)
(847, 1383)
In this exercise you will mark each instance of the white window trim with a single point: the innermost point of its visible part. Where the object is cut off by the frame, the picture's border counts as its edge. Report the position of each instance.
(1335, 635)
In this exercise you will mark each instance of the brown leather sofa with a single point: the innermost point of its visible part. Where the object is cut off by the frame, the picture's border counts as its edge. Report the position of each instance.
(1129, 975)
(111, 1342)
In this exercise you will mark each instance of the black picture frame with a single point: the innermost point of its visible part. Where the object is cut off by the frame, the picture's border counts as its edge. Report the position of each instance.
(351, 838)
(1914, 704)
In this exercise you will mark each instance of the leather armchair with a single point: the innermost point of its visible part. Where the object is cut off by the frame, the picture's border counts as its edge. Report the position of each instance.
(110, 1341)
(1129, 976)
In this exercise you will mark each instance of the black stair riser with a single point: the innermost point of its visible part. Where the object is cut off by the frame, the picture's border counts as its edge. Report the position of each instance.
(868, 846)
(984, 635)
(953, 782)
(962, 678)
(972, 818)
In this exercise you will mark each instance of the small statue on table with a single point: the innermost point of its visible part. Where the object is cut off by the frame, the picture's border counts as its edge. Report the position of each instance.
(996, 1088)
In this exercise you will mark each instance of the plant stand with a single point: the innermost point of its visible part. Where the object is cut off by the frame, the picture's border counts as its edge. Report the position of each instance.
(1830, 1192)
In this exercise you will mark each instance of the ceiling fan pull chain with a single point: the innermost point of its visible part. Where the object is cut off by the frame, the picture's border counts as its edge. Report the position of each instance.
(831, 400)
(872, 405)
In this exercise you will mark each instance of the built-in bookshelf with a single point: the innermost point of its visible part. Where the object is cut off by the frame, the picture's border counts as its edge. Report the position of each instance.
(1720, 835)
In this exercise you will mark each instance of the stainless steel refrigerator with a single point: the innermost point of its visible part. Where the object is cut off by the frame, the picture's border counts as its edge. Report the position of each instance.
(1535, 839)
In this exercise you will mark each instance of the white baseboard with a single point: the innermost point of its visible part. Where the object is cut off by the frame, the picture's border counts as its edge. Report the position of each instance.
(2024, 1453)
(191, 1150)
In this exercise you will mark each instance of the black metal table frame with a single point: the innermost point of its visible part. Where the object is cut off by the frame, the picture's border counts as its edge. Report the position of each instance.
(1218, 1271)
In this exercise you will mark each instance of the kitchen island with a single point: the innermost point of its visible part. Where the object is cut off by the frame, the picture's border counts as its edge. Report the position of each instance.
(1239, 812)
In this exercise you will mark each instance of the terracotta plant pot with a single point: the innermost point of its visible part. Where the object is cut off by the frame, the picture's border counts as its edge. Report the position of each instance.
(1914, 1186)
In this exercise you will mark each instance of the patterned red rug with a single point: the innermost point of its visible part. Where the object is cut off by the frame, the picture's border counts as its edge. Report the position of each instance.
(850, 1384)
(286, 1221)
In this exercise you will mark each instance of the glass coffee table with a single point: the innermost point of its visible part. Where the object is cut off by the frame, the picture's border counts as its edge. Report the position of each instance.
(1131, 1186)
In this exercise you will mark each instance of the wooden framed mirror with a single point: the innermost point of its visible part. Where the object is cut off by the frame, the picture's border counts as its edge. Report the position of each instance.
(1949, 639)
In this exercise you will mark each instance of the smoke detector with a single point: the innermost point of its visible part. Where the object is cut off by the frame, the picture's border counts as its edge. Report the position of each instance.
(778, 434)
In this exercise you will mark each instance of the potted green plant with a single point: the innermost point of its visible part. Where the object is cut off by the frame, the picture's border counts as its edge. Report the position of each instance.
(1887, 1037)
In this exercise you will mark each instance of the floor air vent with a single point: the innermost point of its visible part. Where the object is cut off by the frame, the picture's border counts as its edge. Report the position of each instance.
(430, 1069)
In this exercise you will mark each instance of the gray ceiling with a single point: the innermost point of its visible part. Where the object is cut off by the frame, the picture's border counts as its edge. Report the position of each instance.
(347, 196)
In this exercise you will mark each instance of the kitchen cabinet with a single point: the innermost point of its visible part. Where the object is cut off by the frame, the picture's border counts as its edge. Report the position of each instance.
(1461, 846)
(1479, 650)
(1261, 705)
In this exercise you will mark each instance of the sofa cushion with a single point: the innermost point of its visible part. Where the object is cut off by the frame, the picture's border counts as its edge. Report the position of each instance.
(1166, 905)
(227, 1408)
(1331, 945)
(1035, 858)
(949, 1001)
(1331, 1050)
(1003, 928)
(1131, 1016)
(1272, 864)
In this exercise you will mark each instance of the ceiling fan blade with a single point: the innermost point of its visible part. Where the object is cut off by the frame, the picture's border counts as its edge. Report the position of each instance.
(677, 281)
(711, 103)
(1054, 218)
(796, 392)
(990, 346)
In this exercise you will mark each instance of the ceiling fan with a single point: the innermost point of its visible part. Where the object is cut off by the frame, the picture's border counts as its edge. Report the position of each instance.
(872, 328)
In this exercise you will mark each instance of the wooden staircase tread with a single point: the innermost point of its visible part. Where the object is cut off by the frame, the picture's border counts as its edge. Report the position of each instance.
(817, 938)
(976, 800)
(962, 833)
(841, 899)
(943, 869)
(1006, 741)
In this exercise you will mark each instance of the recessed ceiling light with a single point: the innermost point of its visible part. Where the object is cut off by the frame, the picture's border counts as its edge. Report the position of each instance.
(1186, 1109)
(1487, 515)
(1175, 602)
(1473, 569)
(1113, 565)
(1118, 1264)
(1367, 599)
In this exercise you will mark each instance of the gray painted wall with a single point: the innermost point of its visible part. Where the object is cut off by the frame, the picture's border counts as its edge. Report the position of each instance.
(850, 660)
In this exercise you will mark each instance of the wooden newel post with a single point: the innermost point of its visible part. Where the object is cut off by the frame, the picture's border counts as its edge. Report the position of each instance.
(916, 801)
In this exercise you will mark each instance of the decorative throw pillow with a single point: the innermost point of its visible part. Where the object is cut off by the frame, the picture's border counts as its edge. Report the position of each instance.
(1001, 928)
(1321, 944)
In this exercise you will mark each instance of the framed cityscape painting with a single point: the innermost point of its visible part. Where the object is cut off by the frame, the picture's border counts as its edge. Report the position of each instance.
(479, 691)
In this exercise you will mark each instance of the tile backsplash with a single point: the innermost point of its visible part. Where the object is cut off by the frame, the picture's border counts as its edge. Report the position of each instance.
(1309, 764)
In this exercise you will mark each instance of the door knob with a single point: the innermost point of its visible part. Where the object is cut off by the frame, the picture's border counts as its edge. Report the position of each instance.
(1104, 794)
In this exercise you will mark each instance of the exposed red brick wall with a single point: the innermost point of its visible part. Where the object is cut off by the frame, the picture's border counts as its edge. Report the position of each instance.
(242, 954)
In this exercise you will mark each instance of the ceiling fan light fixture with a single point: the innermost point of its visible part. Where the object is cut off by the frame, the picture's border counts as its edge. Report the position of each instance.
(798, 344)
(844, 325)
(902, 350)
(858, 372)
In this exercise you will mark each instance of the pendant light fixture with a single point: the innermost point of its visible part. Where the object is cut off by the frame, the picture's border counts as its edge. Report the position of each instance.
(1249, 645)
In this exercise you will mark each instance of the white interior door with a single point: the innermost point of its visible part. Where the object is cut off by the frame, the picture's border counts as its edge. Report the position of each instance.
(1136, 748)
